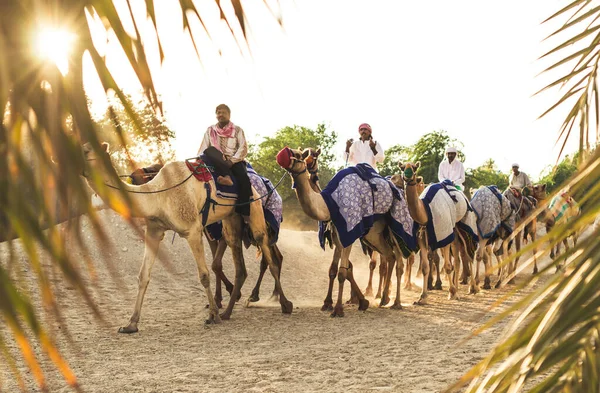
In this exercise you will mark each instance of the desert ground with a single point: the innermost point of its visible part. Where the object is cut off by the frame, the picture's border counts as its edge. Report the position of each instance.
(417, 349)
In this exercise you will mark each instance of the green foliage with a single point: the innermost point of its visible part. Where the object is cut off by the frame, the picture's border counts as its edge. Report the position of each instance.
(560, 174)
(262, 156)
(430, 149)
(393, 156)
(486, 175)
(132, 148)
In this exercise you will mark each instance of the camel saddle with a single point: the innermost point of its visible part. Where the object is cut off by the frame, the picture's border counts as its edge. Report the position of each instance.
(144, 175)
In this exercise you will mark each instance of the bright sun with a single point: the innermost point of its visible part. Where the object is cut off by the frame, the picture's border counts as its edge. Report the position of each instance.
(54, 45)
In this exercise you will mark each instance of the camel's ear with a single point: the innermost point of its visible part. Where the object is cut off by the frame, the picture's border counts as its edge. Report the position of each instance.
(105, 146)
(401, 165)
(543, 187)
(318, 152)
(305, 153)
(419, 179)
(417, 165)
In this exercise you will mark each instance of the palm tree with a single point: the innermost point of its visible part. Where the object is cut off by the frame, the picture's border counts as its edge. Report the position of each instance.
(555, 338)
(45, 119)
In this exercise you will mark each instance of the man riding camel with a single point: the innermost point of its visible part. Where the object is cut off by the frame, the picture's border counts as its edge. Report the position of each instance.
(452, 169)
(226, 145)
(365, 149)
(518, 179)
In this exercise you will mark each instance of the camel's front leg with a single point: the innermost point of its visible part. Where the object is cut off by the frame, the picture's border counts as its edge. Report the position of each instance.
(363, 303)
(372, 266)
(255, 295)
(409, 264)
(232, 231)
(153, 237)
(399, 271)
(195, 241)
(424, 268)
(217, 249)
(448, 267)
(533, 237)
(383, 269)
(333, 271)
(338, 310)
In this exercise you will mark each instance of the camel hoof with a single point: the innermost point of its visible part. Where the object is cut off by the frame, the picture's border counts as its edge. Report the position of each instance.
(438, 286)
(363, 304)
(421, 302)
(473, 291)
(384, 301)
(396, 306)
(535, 271)
(128, 330)
(253, 298)
(338, 311)
(464, 281)
(498, 284)
(487, 286)
(225, 316)
(327, 306)
(287, 307)
(452, 296)
(212, 320)
(378, 296)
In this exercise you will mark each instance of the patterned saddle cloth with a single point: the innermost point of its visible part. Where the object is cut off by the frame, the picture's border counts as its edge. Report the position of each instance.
(358, 196)
(492, 210)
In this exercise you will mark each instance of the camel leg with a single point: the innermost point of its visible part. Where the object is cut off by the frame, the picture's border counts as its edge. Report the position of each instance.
(333, 271)
(383, 268)
(452, 292)
(399, 271)
(255, 295)
(517, 248)
(363, 303)
(279, 261)
(436, 262)
(424, 268)
(154, 236)
(487, 267)
(195, 241)
(468, 264)
(533, 237)
(408, 279)
(372, 266)
(259, 232)
(232, 232)
(218, 250)
(375, 237)
(338, 310)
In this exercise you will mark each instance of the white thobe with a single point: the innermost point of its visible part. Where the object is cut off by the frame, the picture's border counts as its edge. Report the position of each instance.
(360, 152)
(454, 171)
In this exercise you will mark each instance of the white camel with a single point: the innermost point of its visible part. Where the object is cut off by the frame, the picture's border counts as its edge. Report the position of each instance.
(174, 201)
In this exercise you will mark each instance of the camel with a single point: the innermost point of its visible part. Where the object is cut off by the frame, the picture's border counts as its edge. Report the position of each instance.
(173, 201)
(526, 223)
(561, 209)
(315, 206)
(495, 222)
(312, 165)
(421, 216)
(217, 243)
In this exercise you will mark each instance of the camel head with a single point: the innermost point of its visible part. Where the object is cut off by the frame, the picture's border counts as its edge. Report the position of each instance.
(409, 172)
(91, 157)
(292, 160)
(311, 158)
(538, 191)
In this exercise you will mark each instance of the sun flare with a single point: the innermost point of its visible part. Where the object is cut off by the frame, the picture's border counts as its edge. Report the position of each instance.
(55, 45)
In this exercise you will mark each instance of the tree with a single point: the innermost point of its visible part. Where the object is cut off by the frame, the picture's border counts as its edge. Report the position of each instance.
(262, 155)
(486, 175)
(430, 149)
(131, 147)
(262, 158)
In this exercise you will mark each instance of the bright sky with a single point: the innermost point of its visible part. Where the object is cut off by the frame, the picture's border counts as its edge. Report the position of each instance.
(408, 68)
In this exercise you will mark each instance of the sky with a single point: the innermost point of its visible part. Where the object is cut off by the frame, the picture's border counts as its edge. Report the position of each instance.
(468, 67)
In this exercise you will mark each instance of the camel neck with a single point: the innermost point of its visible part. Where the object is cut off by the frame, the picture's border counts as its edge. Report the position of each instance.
(312, 202)
(416, 208)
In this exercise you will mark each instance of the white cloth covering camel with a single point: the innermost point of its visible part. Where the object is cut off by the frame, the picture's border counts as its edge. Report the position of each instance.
(173, 201)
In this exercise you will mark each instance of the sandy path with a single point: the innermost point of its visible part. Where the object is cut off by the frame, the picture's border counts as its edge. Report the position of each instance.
(413, 350)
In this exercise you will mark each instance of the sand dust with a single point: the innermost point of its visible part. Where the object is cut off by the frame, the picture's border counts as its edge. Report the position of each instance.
(259, 349)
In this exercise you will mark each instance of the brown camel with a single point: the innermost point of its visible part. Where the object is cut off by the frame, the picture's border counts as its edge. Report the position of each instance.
(173, 201)
(314, 206)
(312, 166)
(418, 212)
(561, 209)
(526, 222)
